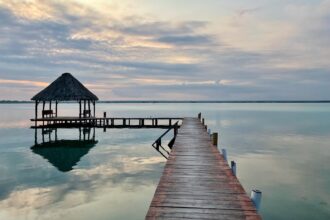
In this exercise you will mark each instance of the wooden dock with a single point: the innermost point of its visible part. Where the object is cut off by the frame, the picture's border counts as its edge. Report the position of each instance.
(105, 122)
(197, 182)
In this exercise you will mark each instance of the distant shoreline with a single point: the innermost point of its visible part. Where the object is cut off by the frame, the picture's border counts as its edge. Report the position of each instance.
(182, 101)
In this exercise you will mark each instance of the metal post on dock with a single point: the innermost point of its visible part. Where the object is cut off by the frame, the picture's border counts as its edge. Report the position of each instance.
(203, 121)
(256, 198)
(224, 154)
(199, 116)
(233, 167)
(215, 139)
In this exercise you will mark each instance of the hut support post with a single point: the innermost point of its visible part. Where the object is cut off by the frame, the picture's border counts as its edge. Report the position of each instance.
(79, 108)
(94, 108)
(89, 108)
(56, 102)
(43, 107)
(84, 108)
(36, 113)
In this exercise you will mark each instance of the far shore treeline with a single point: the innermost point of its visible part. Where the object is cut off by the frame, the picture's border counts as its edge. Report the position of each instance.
(184, 101)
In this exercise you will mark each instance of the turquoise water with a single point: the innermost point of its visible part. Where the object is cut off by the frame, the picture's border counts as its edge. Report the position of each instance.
(281, 149)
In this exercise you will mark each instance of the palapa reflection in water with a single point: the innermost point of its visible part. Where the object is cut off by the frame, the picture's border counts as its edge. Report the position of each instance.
(64, 154)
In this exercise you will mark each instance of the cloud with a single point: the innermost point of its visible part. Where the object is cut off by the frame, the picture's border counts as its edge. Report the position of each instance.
(246, 11)
(41, 39)
(185, 40)
(24, 82)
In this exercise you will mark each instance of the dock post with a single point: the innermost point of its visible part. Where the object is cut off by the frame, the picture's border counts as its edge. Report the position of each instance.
(256, 198)
(205, 127)
(215, 139)
(224, 154)
(104, 120)
(199, 116)
(203, 121)
(233, 167)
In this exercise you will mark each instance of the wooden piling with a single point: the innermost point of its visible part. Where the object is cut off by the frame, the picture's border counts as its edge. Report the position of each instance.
(215, 139)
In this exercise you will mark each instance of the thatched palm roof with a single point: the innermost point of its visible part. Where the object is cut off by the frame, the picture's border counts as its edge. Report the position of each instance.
(65, 88)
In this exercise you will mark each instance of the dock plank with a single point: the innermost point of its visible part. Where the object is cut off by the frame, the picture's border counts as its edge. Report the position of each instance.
(197, 182)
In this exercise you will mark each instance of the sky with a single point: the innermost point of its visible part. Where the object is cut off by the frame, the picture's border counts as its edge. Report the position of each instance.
(168, 49)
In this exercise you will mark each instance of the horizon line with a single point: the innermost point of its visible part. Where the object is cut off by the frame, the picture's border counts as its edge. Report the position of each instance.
(186, 101)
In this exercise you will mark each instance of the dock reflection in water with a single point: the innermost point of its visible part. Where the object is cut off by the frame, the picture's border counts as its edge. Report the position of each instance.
(64, 154)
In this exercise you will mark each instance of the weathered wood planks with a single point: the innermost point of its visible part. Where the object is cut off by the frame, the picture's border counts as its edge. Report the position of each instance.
(197, 182)
(110, 122)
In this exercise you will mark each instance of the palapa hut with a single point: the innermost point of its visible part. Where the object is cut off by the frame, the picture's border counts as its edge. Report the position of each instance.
(65, 88)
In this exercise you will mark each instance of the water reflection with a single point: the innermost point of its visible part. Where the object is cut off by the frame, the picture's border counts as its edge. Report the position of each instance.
(63, 154)
(282, 149)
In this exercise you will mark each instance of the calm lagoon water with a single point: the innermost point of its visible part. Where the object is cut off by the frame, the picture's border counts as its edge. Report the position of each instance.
(281, 149)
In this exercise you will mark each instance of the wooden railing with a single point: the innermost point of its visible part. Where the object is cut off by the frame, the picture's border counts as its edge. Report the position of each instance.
(158, 143)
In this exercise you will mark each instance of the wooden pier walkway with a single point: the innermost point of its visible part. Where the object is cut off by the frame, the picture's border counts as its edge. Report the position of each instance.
(197, 182)
(105, 122)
